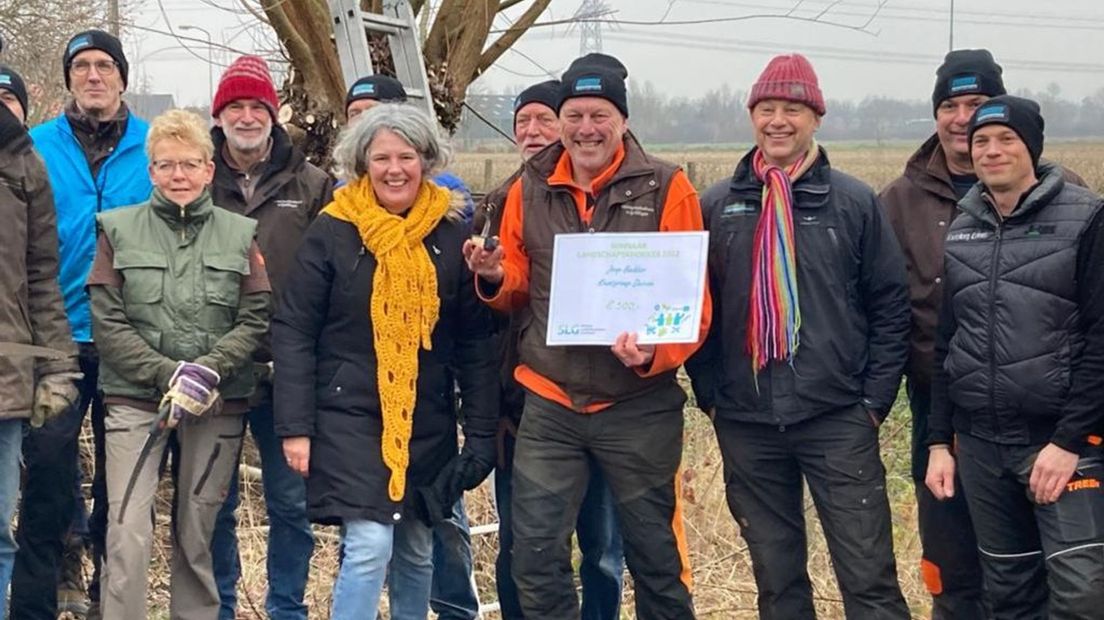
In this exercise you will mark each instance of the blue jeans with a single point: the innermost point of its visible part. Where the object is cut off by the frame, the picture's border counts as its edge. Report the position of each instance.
(411, 571)
(452, 596)
(11, 448)
(290, 540)
(366, 551)
(602, 569)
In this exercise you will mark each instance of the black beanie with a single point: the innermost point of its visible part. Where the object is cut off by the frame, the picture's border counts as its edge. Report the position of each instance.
(95, 40)
(1019, 114)
(547, 93)
(967, 72)
(377, 87)
(596, 75)
(12, 81)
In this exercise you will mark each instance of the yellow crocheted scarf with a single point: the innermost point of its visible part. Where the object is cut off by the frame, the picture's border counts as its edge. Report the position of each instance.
(404, 296)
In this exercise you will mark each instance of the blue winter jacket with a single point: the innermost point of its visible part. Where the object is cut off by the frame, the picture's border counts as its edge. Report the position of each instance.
(123, 180)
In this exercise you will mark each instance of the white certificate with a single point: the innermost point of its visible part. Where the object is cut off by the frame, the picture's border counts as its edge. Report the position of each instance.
(607, 283)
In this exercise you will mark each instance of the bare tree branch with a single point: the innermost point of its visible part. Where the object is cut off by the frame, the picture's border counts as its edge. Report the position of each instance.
(504, 42)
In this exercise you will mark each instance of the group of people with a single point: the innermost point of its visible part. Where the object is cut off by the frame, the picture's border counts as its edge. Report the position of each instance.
(214, 280)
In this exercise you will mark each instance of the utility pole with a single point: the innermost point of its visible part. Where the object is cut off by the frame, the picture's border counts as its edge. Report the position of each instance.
(113, 16)
(951, 49)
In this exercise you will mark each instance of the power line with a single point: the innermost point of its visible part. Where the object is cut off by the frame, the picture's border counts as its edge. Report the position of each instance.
(928, 14)
(724, 44)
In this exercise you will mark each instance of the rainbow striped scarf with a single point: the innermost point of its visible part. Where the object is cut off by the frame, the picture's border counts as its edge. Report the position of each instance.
(774, 314)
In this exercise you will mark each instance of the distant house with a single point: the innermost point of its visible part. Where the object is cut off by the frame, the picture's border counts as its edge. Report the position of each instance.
(148, 105)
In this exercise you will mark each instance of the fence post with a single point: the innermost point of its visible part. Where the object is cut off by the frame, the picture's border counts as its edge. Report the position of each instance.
(488, 174)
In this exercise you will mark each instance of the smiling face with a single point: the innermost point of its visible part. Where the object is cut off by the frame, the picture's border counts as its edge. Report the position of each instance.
(1001, 159)
(180, 171)
(591, 129)
(247, 124)
(783, 130)
(395, 169)
(535, 127)
(952, 121)
(96, 84)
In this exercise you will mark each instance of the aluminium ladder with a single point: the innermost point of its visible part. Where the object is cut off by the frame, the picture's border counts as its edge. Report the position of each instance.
(352, 28)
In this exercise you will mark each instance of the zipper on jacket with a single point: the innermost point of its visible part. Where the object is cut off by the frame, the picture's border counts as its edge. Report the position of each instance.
(183, 225)
(992, 337)
(360, 255)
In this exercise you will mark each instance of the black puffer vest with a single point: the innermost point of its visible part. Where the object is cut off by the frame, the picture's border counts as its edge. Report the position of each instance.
(1014, 298)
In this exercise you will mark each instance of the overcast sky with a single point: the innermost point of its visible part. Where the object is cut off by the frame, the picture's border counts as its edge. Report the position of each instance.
(1039, 43)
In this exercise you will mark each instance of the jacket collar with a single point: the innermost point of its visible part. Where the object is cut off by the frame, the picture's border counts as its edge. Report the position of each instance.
(177, 217)
(283, 157)
(928, 169)
(816, 180)
(977, 203)
(635, 162)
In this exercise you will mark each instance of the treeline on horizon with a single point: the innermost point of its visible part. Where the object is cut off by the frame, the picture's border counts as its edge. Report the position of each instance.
(720, 117)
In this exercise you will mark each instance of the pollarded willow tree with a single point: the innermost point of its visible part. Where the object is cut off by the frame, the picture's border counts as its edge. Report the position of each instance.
(458, 47)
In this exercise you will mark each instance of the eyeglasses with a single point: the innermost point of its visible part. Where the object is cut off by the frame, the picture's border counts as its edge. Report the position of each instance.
(103, 67)
(168, 166)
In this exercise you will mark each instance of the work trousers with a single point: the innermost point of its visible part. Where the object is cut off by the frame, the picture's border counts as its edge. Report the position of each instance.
(637, 443)
(209, 447)
(1039, 561)
(836, 453)
(949, 562)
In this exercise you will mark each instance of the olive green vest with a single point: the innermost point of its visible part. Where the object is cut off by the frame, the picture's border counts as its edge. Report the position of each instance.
(182, 270)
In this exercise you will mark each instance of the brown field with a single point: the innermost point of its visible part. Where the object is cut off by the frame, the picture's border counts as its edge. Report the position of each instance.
(723, 584)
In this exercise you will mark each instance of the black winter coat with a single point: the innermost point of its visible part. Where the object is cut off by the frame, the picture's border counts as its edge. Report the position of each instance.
(325, 366)
(851, 289)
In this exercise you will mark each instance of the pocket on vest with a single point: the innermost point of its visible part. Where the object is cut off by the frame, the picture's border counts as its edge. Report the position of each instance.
(222, 275)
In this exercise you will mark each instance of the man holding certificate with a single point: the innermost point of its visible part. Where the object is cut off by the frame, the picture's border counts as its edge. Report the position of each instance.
(619, 406)
(804, 360)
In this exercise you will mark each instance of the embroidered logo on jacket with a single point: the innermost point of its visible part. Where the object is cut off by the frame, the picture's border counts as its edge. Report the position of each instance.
(638, 210)
(289, 204)
(736, 209)
(975, 235)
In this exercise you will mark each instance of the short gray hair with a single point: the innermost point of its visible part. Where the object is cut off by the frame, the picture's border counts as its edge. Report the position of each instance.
(409, 122)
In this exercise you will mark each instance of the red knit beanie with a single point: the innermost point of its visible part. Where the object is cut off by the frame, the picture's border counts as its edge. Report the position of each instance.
(789, 77)
(246, 78)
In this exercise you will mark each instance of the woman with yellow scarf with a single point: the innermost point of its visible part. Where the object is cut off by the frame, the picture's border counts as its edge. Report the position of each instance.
(377, 324)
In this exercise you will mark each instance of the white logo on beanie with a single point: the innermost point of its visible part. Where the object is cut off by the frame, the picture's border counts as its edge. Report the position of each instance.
(79, 43)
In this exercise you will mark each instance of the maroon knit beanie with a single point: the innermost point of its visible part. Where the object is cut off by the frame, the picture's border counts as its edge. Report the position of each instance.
(246, 78)
(789, 77)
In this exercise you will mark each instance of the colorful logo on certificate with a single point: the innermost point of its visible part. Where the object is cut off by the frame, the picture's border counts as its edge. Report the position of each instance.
(668, 320)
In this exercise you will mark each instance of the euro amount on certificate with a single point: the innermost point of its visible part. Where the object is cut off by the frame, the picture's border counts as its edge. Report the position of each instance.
(604, 284)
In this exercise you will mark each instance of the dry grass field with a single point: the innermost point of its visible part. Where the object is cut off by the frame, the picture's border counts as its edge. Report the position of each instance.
(724, 587)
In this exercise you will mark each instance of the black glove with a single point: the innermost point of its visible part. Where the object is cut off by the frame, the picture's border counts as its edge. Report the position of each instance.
(476, 461)
(432, 504)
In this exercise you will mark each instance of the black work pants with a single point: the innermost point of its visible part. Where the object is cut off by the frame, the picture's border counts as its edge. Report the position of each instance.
(837, 454)
(51, 456)
(1039, 561)
(949, 562)
(637, 444)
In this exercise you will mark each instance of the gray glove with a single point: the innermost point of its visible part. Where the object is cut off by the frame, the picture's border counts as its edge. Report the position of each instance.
(54, 394)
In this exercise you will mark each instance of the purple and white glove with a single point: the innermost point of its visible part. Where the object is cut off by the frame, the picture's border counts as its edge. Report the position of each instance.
(193, 389)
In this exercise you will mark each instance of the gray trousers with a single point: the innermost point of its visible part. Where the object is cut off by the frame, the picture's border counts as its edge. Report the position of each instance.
(209, 448)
